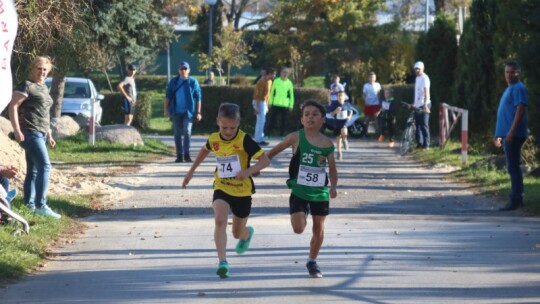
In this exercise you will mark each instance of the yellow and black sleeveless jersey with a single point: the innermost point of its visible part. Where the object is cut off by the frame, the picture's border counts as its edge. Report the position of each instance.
(231, 156)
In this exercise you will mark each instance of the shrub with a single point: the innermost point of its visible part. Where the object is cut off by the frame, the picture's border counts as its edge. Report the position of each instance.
(143, 111)
(213, 96)
(240, 80)
(113, 110)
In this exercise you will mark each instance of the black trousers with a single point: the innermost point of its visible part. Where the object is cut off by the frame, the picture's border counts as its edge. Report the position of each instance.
(274, 112)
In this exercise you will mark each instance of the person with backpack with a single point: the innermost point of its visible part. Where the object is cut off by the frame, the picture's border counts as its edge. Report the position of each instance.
(183, 104)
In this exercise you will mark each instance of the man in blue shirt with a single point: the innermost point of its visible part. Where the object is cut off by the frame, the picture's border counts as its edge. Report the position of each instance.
(511, 130)
(182, 104)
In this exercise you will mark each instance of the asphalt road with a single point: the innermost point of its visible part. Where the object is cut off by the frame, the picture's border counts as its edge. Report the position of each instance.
(398, 232)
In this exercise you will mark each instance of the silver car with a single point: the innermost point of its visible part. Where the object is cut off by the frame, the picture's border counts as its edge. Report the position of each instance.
(79, 93)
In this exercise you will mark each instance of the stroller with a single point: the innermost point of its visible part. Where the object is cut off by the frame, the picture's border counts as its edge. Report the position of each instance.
(8, 216)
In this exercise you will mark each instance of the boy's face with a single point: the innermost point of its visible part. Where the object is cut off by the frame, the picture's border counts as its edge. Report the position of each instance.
(312, 117)
(341, 97)
(387, 94)
(227, 127)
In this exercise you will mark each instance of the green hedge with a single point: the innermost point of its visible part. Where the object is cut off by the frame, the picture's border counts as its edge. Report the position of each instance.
(113, 110)
(213, 96)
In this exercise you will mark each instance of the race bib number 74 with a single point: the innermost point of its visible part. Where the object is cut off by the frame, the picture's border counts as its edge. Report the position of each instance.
(228, 166)
(311, 176)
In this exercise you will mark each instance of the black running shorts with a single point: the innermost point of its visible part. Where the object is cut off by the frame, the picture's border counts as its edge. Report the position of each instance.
(240, 205)
(297, 204)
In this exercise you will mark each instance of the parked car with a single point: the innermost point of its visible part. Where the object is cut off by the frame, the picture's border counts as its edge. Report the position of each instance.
(79, 93)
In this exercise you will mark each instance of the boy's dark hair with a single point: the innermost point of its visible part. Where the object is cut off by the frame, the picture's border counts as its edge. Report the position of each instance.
(514, 64)
(316, 104)
(270, 70)
(229, 110)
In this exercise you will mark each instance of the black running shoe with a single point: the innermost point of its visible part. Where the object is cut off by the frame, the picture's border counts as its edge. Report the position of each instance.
(314, 270)
(187, 159)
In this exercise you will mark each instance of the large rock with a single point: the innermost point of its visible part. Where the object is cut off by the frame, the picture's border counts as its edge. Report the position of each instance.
(11, 153)
(84, 121)
(122, 134)
(5, 125)
(65, 126)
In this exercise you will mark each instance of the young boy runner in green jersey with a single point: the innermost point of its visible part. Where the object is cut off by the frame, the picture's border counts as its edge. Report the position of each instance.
(233, 185)
(308, 179)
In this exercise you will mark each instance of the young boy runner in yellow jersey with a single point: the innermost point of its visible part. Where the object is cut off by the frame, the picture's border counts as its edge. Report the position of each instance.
(308, 178)
(233, 185)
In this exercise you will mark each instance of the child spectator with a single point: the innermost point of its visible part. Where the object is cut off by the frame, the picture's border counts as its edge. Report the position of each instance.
(387, 117)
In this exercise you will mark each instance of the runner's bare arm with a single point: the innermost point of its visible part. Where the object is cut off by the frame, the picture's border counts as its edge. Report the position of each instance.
(203, 153)
(332, 175)
(289, 140)
(254, 170)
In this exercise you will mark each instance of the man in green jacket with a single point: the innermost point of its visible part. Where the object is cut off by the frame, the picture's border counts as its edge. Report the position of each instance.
(281, 100)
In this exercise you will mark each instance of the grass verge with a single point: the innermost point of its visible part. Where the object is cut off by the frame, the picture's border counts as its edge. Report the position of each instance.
(20, 255)
(77, 150)
(484, 177)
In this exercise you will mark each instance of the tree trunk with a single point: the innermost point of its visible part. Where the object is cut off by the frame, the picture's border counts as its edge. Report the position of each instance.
(439, 6)
(57, 93)
(123, 66)
(108, 80)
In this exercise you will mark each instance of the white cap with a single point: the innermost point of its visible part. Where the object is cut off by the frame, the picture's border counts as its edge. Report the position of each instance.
(419, 65)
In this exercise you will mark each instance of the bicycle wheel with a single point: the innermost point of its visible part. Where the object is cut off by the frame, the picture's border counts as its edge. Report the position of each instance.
(407, 140)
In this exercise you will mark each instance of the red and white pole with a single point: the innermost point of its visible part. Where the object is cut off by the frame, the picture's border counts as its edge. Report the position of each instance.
(464, 135)
(92, 124)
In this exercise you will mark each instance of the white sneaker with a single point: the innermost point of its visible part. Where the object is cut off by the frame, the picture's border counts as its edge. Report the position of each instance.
(46, 211)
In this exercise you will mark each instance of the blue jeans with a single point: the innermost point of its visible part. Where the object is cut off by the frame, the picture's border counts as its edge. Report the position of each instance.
(513, 156)
(421, 120)
(38, 169)
(182, 133)
(4, 182)
(261, 120)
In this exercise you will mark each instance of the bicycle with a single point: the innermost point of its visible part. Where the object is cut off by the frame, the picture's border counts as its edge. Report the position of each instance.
(408, 138)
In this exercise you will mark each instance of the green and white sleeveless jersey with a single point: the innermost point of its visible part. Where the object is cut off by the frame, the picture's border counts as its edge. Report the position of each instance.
(307, 171)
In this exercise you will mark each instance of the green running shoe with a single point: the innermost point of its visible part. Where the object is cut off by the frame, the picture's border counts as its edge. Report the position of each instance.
(242, 246)
(223, 270)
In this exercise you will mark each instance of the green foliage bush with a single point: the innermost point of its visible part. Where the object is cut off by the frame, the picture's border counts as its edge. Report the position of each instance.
(240, 80)
(113, 110)
(213, 96)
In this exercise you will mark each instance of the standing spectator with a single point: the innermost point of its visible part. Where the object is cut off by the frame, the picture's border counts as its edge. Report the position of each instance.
(129, 90)
(387, 116)
(182, 103)
(260, 104)
(7, 172)
(210, 80)
(422, 101)
(29, 113)
(511, 130)
(335, 88)
(261, 75)
(370, 92)
(281, 100)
